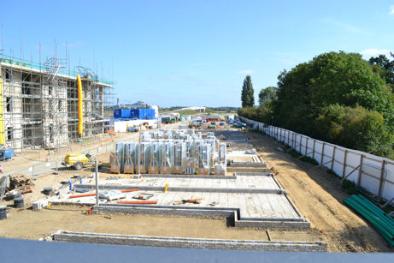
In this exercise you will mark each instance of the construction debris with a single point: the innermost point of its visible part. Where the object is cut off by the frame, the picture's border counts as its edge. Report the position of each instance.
(21, 183)
(192, 200)
(143, 196)
(39, 204)
(47, 191)
(4, 184)
(111, 195)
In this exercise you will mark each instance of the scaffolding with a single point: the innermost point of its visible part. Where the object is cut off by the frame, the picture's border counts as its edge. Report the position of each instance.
(40, 104)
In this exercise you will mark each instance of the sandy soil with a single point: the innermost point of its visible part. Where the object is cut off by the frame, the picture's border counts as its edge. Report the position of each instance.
(28, 224)
(319, 197)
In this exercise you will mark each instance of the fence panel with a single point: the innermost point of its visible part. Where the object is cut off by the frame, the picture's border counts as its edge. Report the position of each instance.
(373, 173)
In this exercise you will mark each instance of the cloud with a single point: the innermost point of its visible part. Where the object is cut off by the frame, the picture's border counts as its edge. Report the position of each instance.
(374, 52)
(246, 72)
(391, 10)
(349, 28)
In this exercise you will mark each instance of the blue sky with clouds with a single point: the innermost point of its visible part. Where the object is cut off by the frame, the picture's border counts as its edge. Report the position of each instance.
(193, 52)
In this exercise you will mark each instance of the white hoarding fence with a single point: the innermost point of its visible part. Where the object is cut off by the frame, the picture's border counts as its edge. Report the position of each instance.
(373, 173)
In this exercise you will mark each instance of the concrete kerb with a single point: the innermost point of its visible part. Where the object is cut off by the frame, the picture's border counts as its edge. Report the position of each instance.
(86, 237)
(232, 214)
(247, 165)
(80, 187)
(188, 176)
(231, 169)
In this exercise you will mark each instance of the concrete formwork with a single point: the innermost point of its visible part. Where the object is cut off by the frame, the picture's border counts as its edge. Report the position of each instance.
(65, 236)
(253, 200)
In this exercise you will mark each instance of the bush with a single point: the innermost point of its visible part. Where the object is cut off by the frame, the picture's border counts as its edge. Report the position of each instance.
(356, 128)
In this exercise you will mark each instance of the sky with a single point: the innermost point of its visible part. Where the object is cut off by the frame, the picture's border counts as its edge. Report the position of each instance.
(196, 52)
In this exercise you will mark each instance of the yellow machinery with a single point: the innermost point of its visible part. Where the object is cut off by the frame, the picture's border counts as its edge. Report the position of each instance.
(76, 160)
(2, 135)
(80, 106)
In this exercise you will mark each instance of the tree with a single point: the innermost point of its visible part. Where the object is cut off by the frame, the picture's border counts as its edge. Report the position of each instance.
(247, 96)
(267, 95)
(337, 97)
(384, 67)
(332, 78)
(356, 128)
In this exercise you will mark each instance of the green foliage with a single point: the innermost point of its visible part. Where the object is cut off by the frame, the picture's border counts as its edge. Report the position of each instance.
(384, 67)
(261, 113)
(355, 128)
(337, 97)
(247, 96)
(267, 95)
(350, 187)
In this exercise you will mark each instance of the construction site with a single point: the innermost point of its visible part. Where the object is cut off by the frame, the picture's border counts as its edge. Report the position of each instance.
(223, 188)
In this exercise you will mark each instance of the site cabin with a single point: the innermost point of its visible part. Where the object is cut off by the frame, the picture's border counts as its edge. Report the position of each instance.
(195, 123)
(213, 118)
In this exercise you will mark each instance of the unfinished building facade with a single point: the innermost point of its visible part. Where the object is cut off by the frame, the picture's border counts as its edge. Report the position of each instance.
(39, 105)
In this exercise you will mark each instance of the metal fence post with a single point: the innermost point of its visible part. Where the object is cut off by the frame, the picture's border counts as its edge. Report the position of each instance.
(344, 163)
(97, 182)
(306, 146)
(333, 158)
(288, 137)
(301, 144)
(360, 170)
(322, 154)
(381, 179)
(313, 148)
(295, 141)
(281, 135)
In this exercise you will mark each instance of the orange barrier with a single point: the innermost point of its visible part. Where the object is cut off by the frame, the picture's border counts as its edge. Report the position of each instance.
(82, 195)
(129, 190)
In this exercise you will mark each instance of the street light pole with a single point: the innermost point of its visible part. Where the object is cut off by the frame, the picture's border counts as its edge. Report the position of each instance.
(97, 182)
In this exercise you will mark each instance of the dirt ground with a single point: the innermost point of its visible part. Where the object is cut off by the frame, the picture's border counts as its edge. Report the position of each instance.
(319, 197)
(30, 224)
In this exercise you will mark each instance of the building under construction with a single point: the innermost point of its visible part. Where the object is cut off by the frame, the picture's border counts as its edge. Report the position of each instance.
(46, 106)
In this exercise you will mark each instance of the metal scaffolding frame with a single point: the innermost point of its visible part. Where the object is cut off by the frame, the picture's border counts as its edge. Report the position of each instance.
(40, 108)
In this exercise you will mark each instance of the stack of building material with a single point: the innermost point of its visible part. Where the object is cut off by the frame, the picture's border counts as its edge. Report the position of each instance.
(383, 223)
(170, 152)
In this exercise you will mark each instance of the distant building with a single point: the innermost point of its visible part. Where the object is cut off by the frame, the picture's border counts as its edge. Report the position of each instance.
(196, 108)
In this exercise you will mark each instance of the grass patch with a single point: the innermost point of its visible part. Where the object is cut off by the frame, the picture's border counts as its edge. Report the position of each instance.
(349, 187)
(300, 157)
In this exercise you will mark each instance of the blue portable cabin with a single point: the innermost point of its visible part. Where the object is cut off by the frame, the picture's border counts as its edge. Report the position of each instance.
(141, 113)
(145, 114)
(122, 114)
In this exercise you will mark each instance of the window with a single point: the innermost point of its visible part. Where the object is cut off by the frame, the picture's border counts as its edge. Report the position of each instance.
(9, 133)
(51, 139)
(50, 89)
(60, 106)
(26, 90)
(7, 75)
(8, 103)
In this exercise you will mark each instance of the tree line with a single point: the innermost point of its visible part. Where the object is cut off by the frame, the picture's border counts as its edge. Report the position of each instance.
(337, 97)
